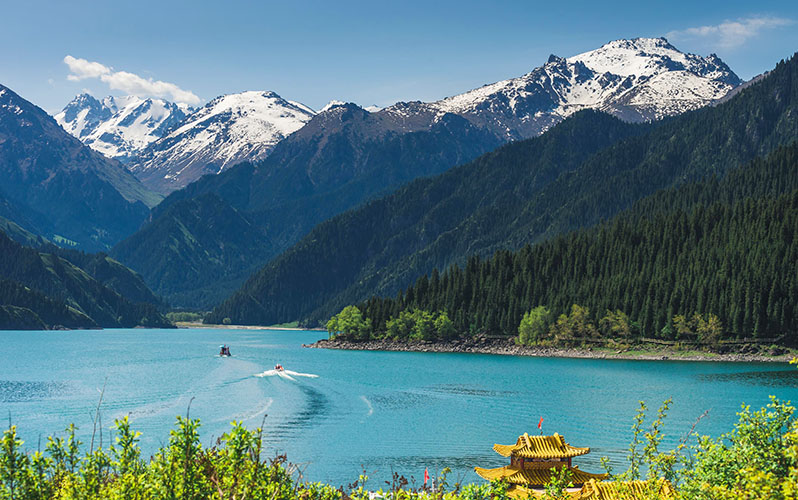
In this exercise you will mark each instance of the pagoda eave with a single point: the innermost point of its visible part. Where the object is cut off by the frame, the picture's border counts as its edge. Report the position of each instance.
(535, 477)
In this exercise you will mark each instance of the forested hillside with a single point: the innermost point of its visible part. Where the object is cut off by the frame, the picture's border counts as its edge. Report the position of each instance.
(204, 248)
(44, 290)
(515, 196)
(721, 247)
(341, 158)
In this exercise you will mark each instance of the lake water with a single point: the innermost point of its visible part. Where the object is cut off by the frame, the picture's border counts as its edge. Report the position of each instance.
(375, 411)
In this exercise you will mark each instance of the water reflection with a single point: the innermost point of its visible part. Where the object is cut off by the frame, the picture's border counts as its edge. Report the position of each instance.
(316, 407)
(401, 400)
(469, 390)
(776, 378)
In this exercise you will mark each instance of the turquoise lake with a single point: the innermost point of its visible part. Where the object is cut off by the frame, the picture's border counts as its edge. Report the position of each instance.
(375, 411)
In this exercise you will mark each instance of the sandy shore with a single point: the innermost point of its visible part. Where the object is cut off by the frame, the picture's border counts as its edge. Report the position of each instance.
(508, 348)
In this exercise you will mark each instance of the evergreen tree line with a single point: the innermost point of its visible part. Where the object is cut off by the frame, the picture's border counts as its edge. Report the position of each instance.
(726, 253)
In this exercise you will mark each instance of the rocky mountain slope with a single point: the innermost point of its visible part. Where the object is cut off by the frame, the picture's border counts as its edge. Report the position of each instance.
(39, 289)
(56, 187)
(228, 130)
(341, 157)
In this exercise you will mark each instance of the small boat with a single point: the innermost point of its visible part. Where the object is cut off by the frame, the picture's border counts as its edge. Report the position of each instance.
(279, 368)
(224, 351)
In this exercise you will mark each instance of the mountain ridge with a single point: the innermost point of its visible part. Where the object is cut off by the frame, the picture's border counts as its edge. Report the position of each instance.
(230, 129)
(467, 216)
(346, 155)
(59, 186)
(119, 127)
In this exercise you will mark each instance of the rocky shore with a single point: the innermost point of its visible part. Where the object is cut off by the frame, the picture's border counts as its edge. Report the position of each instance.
(508, 347)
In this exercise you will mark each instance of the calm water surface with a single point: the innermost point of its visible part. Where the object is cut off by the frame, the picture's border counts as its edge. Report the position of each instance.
(374, 411)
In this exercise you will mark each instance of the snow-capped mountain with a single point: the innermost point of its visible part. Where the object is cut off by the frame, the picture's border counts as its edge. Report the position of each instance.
(119, 127)
(639, 79)
(57, 187)
(230, 129)
(82, 115)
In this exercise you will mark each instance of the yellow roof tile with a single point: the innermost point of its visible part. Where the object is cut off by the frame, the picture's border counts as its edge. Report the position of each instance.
(521, 493)
(543, 447)
(626, 490)
(533, 477)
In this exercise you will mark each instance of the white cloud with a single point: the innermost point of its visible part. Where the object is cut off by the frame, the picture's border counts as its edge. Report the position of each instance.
(730, 34)
(130, 83)
(82, 69)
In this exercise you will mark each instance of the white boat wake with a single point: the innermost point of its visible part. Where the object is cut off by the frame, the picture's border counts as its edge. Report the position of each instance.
(286, 374)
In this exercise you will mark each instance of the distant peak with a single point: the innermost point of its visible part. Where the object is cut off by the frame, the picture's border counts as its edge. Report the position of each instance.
(555, 59)
(641, 41)
(84, 97)
(247, 94)
(332, 104)
(270, 94)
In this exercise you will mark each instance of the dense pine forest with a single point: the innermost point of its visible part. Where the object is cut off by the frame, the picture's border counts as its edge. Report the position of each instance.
(710, 260)
(524, 193)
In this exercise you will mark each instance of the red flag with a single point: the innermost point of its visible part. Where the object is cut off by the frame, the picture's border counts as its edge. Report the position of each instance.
(540, 424)
(426, 476)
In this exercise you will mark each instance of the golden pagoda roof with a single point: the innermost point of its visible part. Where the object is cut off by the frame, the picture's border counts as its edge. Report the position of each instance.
(625, 490)
(544, 447)
(538, 476)
(522, 493)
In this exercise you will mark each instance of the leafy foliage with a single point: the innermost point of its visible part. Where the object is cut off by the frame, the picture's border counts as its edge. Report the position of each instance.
(349, 322)
(757, 460)
(420, 325)
(183, 469)
(534, 325)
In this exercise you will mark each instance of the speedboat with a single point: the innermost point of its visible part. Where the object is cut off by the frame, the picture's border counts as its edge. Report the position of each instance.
(224, 351)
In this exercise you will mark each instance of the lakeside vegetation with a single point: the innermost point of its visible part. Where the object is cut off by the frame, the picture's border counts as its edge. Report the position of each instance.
(758, 459)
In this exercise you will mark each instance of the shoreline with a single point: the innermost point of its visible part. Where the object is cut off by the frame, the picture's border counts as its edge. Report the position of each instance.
(189, 324)
(507, 347)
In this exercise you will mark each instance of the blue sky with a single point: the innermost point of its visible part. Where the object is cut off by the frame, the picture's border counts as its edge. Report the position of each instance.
(368, 52)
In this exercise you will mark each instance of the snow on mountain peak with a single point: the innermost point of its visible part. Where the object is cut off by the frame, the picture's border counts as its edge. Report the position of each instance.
(230, 129)
(637, 79)
(119, 126)
(332, 104)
